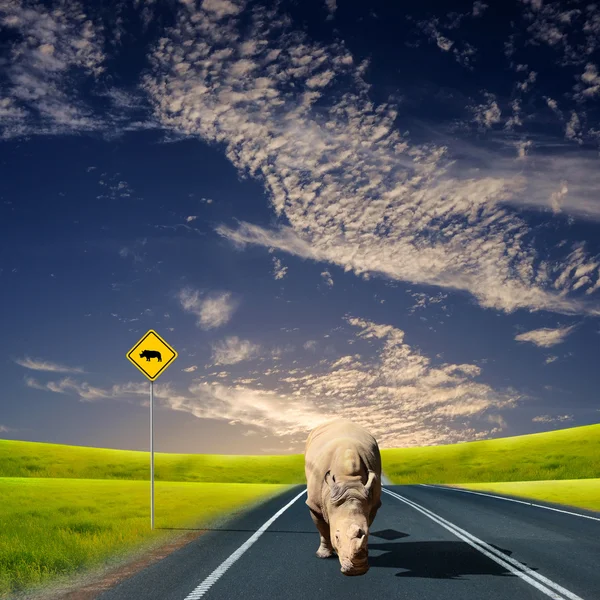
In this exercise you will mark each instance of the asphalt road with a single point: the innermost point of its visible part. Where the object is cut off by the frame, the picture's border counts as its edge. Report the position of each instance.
(429, 543)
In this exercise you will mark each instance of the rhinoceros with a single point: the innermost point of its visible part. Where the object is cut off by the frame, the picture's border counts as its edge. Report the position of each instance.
(343, 475)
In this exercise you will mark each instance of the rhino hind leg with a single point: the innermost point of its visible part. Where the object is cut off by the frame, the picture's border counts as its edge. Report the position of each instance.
(325, 549)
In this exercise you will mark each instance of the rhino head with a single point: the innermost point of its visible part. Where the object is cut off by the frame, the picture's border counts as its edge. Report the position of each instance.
(348, 511)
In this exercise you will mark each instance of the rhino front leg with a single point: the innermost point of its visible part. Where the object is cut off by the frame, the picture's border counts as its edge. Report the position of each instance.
(373, 513)
(325, 548)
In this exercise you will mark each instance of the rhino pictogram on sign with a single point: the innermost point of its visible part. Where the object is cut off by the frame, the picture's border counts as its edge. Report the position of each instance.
(148, 354)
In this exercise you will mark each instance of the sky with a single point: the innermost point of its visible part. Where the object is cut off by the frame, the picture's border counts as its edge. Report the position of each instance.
(328, 208)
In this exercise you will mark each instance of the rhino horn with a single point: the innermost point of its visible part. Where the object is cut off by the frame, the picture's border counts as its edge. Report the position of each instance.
(360, 544)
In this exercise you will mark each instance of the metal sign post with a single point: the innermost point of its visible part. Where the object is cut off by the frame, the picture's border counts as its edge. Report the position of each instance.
(152, 346)
(152, 455)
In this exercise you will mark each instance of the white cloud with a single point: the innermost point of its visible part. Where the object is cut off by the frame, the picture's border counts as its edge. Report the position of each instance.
(278, 270)
(572, 34)
(435, 30)
(53, 46)
(573, 128)
(523, 147)
(191, 218)
(5, 429)
(213, 310)
(310, 345)
(526, 85)
(564, 183)
(591, 80)
(354, 190)
(479, 8)
(431, 265)
(487, 114)
(190, 369)
(556, 199)
(85, 391)
(399, 396)
(265, 409)
(326, 275)
(221, 8)
(37, 364)
(124, 99)
(424, 300)
(552, 419)
(553, 104)
(545, 337)
(331, 6)
(233, 350)
(497, 420)
(279, 351)
(443, 43)
(515, 120)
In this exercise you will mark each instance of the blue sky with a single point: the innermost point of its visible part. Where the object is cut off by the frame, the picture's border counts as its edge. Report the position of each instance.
(327, 208)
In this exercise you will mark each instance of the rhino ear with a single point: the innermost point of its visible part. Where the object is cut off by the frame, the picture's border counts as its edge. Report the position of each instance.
(312, 505)
(330, 479)
(370, 481)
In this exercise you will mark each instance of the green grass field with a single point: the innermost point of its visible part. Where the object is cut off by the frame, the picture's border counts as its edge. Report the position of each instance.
(64, 509)
(53, 527)
(34, 459)
(583, 493)
(564, 454)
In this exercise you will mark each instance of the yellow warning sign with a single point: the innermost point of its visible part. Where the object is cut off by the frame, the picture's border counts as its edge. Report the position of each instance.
(152, 355)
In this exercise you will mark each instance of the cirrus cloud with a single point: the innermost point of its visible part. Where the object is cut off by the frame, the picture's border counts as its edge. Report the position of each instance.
(36, 364)
(84, 391)
(552, 419)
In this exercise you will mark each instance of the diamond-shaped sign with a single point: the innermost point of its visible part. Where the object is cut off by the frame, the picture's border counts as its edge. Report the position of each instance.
(152, 355)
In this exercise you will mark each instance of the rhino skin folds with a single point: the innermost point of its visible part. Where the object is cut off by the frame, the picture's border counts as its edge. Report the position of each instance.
(343, 474)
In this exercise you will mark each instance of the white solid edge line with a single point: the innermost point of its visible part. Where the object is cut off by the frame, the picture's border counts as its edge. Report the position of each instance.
(567, 512)
(512, 565)
(199, 591)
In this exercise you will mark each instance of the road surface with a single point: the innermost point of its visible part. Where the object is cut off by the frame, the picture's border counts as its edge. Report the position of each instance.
(426, 543)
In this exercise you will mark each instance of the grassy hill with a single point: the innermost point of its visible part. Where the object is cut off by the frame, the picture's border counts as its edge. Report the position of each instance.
(563, 454)
(582, 493)
(36, 459)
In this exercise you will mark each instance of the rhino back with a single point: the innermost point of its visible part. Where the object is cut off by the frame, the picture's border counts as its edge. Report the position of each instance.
(327, 448)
